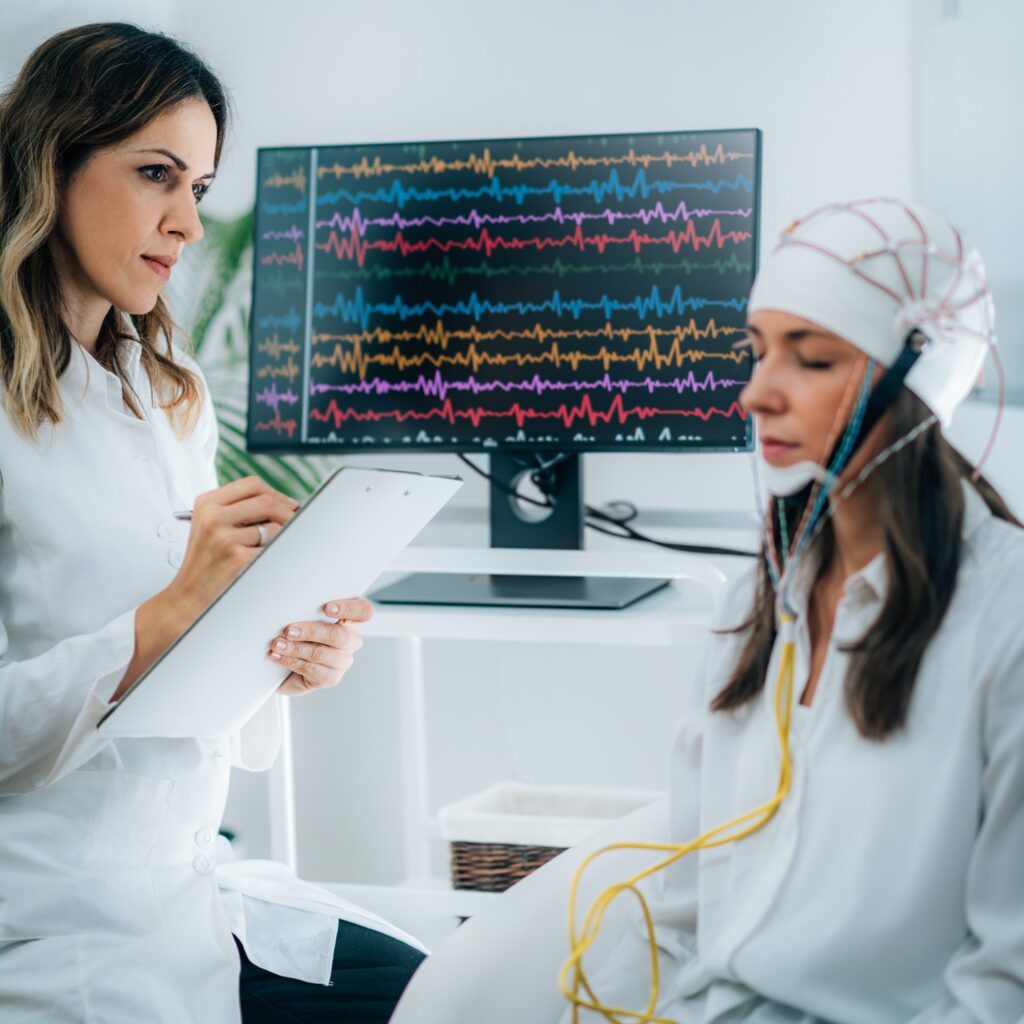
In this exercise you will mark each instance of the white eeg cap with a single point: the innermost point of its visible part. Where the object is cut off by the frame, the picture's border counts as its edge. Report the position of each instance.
(874, 270)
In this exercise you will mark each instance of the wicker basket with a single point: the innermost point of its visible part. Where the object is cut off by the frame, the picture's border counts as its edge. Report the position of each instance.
(499, 836)
(493, 867)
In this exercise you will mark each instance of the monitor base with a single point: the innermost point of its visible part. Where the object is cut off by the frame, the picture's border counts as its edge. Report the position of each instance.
(483, 589)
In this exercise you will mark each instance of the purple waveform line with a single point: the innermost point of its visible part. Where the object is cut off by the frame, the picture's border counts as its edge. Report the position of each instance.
(294, 233)
(272, 397)
(478, 220)
(437, 386)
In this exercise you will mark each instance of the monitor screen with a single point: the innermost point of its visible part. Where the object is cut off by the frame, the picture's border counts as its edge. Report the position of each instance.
(568, 294)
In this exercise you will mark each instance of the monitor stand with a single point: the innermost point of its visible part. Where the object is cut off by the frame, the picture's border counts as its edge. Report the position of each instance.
(515, 524)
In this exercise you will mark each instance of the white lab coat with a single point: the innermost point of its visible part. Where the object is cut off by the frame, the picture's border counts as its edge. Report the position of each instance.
(889, 888)
(109, 901)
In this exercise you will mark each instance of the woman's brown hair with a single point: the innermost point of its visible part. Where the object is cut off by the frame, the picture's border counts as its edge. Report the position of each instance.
(79, 91)
(920, 505)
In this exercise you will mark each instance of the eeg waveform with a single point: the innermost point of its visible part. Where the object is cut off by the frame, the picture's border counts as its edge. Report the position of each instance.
(585, 291)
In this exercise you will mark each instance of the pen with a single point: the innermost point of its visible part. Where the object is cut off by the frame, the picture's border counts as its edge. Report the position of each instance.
(185, 514)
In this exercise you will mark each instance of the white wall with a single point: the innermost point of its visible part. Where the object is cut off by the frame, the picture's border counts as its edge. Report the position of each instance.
(971, 91)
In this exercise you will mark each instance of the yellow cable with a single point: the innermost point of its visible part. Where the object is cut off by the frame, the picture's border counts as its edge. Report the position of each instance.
(746, 824)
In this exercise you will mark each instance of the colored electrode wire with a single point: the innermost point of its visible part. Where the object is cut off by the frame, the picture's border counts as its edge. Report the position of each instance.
(572, 977)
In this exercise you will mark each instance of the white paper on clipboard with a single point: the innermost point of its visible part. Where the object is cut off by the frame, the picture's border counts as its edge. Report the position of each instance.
(217, 675)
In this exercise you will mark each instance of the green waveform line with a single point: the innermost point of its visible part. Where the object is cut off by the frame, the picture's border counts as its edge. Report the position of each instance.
(283, 285)
(448, 272)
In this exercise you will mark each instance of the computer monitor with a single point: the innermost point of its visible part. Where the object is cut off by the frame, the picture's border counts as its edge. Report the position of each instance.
(525, 298)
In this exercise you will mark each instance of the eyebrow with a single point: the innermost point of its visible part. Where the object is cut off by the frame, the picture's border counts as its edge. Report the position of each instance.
(797, 335)
(178, 162)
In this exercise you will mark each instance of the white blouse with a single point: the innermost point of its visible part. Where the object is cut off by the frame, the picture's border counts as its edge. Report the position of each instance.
(109, 902)
(889, 888)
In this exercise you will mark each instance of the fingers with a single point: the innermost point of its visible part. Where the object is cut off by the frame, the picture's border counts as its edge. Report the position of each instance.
(315, 673)
(317, 653)
(330, 634)
(239, 490)
(351, 609)
(263, 508)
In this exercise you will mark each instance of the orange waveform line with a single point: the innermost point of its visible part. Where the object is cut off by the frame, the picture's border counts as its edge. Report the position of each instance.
(297, 179)
(358, 362)
(289, 371)
(274, 347)
(487, 164)
(568, 414)
(441, 336)
(354, 247)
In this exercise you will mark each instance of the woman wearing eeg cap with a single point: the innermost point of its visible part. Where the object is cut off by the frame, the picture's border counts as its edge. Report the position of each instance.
(857, 721)
(889, 884)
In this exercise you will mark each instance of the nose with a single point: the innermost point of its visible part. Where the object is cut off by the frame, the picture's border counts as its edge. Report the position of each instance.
(183, 220)
(761, 393)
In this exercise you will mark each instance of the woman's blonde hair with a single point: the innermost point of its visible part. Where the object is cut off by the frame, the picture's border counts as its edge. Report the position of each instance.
(81, 90)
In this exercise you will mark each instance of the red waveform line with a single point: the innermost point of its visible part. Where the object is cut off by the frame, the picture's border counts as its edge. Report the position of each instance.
(356, 248)
(441, 336)
(277, 425)
(487, 164)
(297, 179)
(274, 347)
(289, 371)
(568, 414)
(359, 362)
(294, 257)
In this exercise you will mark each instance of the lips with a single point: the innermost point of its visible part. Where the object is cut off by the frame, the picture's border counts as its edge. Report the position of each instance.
(161, 265)
(775, 450)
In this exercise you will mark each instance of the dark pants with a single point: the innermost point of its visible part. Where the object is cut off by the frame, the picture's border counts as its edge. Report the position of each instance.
(369, 973)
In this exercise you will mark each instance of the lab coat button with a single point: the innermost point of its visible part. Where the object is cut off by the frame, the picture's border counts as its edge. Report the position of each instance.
(203, 865)
(165, 531)
(204, 837)
(176, 557)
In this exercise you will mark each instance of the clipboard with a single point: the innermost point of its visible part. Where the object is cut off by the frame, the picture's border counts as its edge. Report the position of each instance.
(217, 675)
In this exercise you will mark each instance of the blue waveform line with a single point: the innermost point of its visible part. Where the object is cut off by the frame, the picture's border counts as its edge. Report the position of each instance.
(359, 311)
(291, 320)
(398, 194)
(279, 208)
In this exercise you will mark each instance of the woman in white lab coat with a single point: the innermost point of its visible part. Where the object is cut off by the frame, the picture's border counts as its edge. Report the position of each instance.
(109, 903)
(888, 885)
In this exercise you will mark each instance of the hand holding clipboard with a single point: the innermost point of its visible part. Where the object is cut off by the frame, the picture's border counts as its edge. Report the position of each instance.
(218, 673)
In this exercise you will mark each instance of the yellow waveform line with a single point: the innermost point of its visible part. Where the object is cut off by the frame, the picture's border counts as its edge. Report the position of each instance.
(274, 346)
(487, 164)
(297, 179)
(289, 371)
(441, 336)
(358, 362)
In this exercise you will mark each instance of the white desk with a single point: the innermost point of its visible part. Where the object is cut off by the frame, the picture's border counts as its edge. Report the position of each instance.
(675, 616)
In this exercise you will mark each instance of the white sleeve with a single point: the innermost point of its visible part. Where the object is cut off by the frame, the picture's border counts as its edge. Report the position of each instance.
(50, 704)
(254, 747)
(985, 977)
